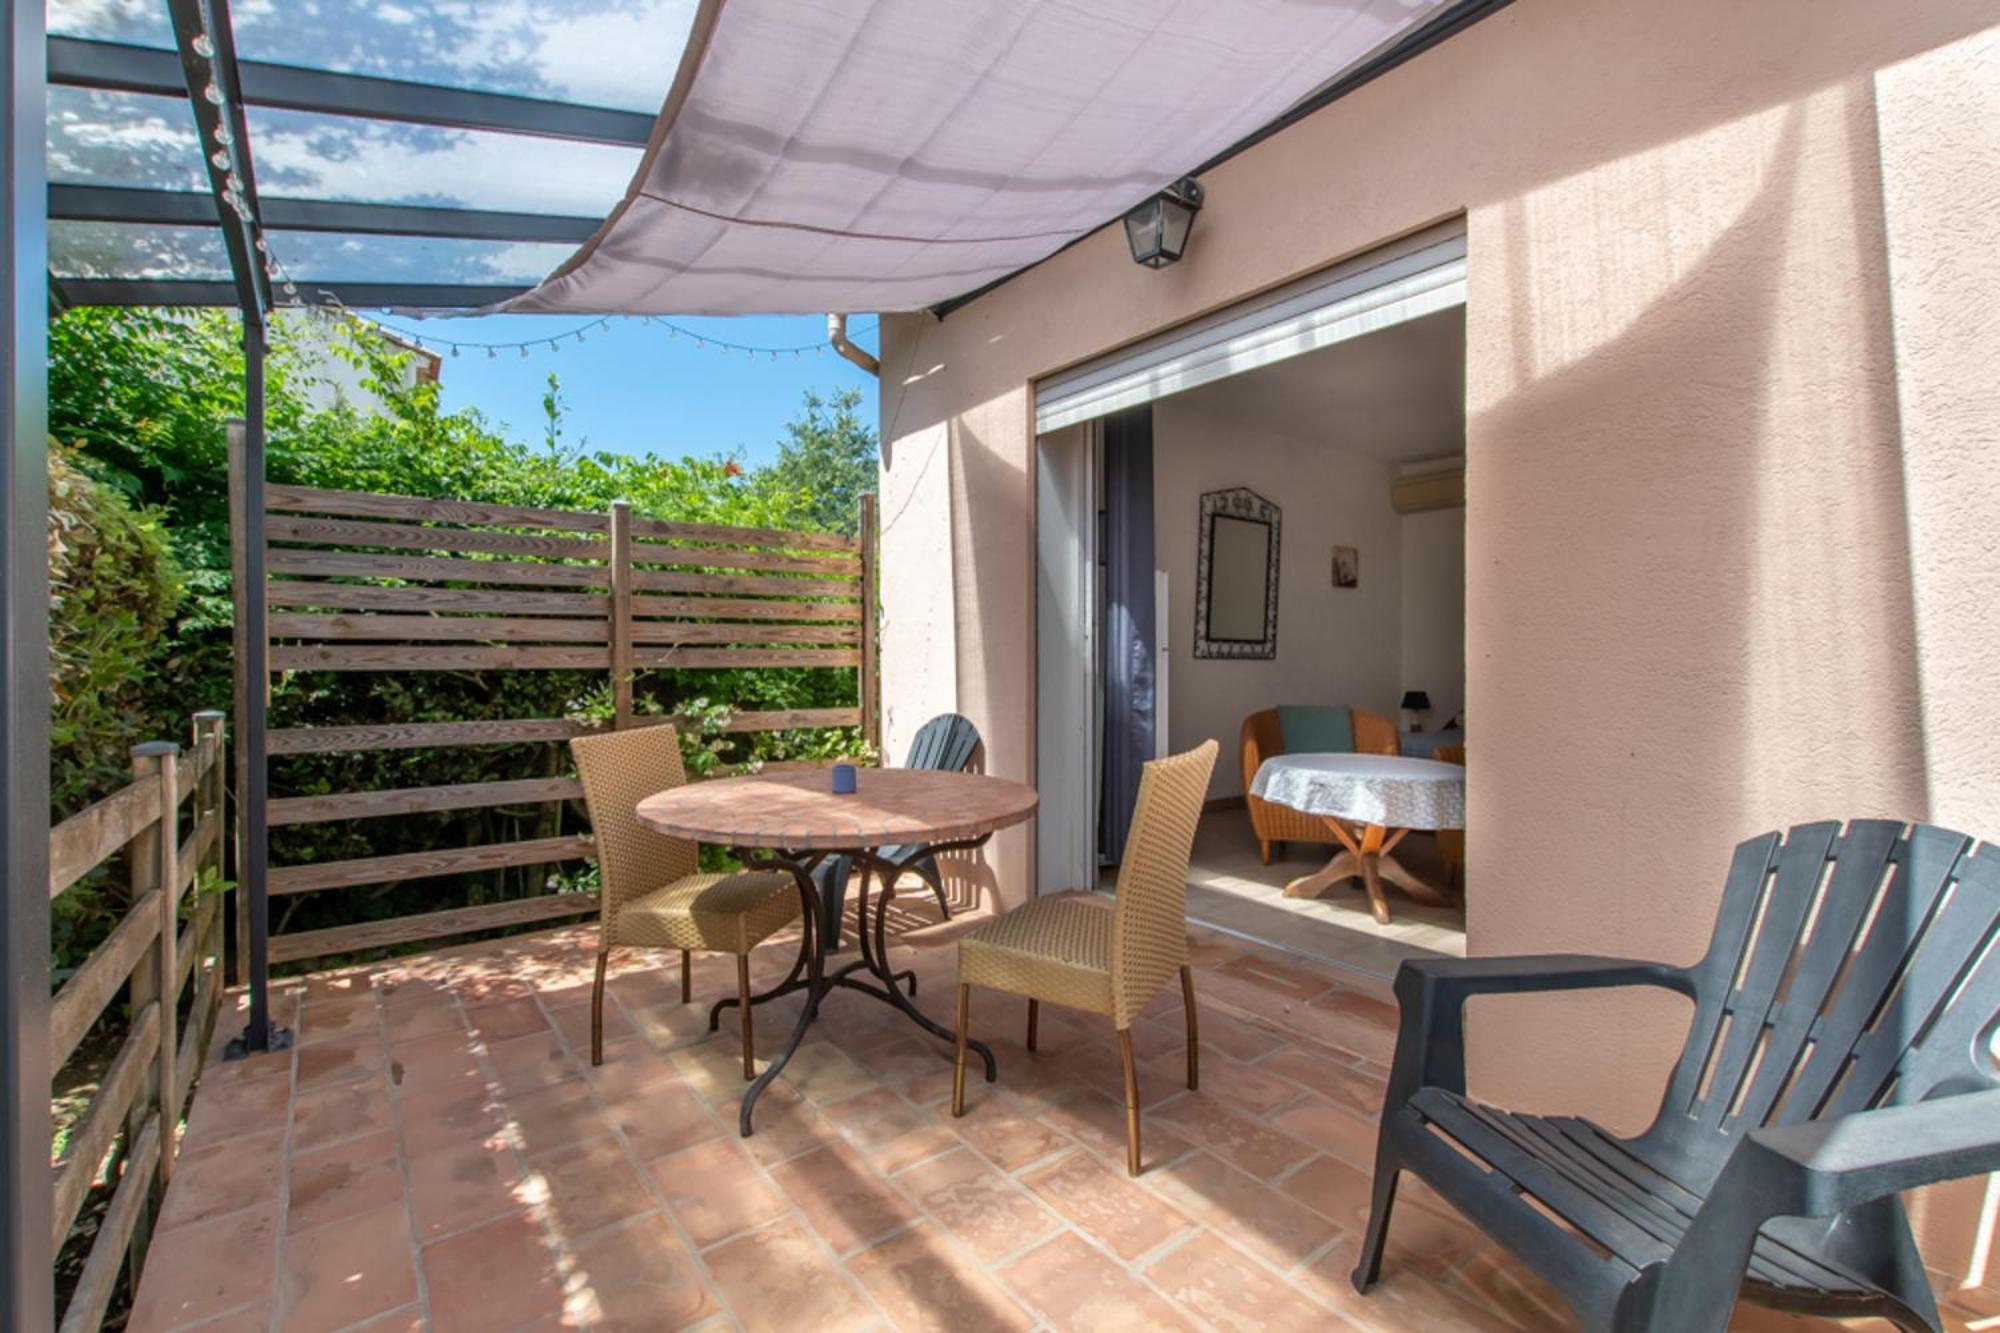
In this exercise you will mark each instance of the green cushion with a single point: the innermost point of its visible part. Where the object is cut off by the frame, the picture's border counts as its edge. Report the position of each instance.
(1316, 729)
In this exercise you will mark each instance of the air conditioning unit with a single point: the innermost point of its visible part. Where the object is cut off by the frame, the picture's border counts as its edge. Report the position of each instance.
(1428, 490)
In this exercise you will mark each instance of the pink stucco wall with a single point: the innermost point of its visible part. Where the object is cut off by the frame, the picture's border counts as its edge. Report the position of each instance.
(1732, 454)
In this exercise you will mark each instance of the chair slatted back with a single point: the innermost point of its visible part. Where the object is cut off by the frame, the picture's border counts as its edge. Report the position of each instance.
(1849, 969)
(1149, 922)
(945, 744)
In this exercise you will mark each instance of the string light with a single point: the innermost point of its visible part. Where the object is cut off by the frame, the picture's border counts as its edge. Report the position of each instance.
(223, 159)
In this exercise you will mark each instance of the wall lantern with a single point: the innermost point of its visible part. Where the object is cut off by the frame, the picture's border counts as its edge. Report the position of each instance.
(1157, 230)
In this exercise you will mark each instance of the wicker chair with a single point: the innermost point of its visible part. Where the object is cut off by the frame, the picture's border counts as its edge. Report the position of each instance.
(654, 894)
(1276, 825)
(1451, 841)
(1074, 952)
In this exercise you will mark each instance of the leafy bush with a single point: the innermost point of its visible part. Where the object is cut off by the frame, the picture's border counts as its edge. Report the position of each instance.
(142, 398)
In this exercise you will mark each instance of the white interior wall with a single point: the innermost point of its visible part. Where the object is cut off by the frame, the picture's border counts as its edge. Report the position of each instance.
(1335, 645)
(1433, 609)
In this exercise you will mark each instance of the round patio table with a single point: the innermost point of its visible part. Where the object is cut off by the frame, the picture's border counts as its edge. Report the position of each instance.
(793, 821)
(1384, 797)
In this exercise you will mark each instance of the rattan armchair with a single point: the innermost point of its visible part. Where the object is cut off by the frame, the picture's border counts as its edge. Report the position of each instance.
(1073, 951)
(653, 892)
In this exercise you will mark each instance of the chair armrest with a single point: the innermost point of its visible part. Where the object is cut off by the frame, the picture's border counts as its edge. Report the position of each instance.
(1430, 1043)
(1829, 1166)
(1816, 1170)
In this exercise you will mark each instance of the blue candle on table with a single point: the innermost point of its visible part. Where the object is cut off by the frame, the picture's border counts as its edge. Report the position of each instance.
(844, 779)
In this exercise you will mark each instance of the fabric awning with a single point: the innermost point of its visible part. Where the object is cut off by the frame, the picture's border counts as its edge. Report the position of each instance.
(892, 154)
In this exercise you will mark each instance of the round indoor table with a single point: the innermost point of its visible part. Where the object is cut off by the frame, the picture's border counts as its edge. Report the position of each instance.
(1384, 797)
(793, 821)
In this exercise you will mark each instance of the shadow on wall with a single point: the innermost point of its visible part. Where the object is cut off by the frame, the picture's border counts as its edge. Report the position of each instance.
(1690, 532)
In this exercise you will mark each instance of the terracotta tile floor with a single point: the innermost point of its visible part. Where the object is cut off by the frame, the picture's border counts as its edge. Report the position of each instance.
(437, 1152)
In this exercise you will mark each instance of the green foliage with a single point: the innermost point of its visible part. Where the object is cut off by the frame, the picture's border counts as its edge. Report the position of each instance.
(141, 398)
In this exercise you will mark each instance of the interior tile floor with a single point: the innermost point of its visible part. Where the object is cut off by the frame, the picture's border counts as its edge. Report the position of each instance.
(436, 1152)
(1229, 887)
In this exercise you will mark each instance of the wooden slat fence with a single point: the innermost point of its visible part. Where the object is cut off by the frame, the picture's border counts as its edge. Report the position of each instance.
(382, 583)
(164, 957)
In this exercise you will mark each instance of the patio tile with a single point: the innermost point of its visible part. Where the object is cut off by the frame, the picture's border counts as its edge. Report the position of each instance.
(444, 1117)
(457, 1185)
(926, 1284)
(630, 1066)
(1273, 975)
(348, 1270)
(1098, 1123)
(1076, 1286)
(555, 1117)
(1346, 1084)
(226, 1112)
(785, 1124)
(777, 1279)
(339, 1058)
(823, 1074)
(1008, 1131)
(448, 1059)
(573, 1021)
(663, 1117)
(1330, 1127)
(348, 1178)
(844, 1199)
(214, 1183)
(1107, 1206)
(589, 1185)
(1333, 1188)
(501, 1019)
(1278, 1228)
(213, 1266)
(350, 1016)
(714, 1191)
(1258, 1149)
(875, 1117)
(499, 1275)
(342, 1111)
(638, 1277)
(978, 1205)
(522, 1064)
(1233, 1291)
(1406, 1298)
(916, 1146)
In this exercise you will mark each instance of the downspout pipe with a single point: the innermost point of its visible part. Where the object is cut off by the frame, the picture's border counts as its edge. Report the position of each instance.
(836, 333)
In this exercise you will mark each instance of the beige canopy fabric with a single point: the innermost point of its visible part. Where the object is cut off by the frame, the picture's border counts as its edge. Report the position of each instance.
(852, 155)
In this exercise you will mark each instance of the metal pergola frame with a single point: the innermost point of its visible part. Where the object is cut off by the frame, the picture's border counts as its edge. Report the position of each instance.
(30, 62)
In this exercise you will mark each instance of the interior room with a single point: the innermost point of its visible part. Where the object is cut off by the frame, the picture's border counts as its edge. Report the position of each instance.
(1308, 546)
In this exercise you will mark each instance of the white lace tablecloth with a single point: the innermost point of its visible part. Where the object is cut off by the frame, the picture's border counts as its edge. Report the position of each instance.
(1390, 790)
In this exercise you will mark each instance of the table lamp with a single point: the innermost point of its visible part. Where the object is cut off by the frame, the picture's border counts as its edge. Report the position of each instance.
(1416, 703)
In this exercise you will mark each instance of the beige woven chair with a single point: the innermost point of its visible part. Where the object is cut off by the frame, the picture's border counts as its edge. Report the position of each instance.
(1451, 841)
(1074, 952)
(654, 894)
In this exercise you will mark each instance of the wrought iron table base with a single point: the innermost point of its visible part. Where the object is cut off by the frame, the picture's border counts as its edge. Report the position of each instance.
(874, 959)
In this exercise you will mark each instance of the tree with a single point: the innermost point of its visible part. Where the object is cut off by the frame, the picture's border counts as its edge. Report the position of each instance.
(828, 461)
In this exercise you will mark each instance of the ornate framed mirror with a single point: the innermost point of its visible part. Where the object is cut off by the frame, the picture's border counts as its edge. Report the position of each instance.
(1236, 576)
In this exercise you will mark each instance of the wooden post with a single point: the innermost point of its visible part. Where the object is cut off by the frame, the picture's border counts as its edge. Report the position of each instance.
(241, 531)
(153, 973)
(621, 612)
(871, 704)
(164, 758)
(211, 729)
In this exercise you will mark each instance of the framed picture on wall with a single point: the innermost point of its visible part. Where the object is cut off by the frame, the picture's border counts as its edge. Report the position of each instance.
(1346, 567)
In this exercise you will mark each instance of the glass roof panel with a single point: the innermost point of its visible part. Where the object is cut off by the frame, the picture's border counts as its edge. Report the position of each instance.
(331, 258)
(100, 138)
(301, 155)
(140, 22)
(126, 250)
(610, 53)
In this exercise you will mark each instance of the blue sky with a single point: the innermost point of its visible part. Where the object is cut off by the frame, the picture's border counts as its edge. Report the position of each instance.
(631, 388)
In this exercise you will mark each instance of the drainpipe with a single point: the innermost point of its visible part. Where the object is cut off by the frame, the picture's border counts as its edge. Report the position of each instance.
(836, 333)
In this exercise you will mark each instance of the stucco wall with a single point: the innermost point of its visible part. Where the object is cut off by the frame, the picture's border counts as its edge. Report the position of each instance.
(1730, 439)
(1335, 645)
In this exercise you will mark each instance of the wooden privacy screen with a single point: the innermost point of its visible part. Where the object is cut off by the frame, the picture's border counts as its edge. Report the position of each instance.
(154, 960)
(361, 582)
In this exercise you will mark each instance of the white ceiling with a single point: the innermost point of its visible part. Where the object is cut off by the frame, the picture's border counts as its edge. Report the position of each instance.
(1397, 394)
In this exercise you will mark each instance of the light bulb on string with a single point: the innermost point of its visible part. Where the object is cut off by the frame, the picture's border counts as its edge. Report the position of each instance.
(202, 46)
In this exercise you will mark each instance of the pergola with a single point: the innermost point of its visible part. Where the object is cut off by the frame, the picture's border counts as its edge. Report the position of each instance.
(324, 162)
